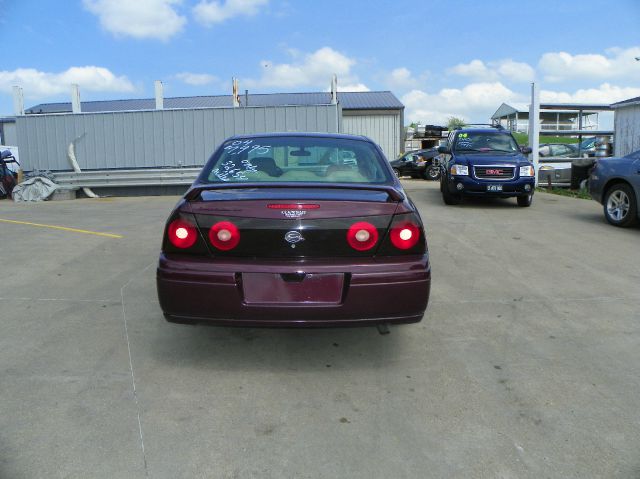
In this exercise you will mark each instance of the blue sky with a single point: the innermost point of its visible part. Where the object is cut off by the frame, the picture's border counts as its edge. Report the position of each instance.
(440, 58)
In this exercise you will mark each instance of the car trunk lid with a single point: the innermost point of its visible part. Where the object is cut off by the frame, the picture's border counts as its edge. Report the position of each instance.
(291, 222)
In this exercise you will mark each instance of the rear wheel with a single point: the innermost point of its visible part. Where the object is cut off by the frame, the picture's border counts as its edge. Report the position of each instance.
(397, 172)
(525, 200)
(432, 173)
(620, 207)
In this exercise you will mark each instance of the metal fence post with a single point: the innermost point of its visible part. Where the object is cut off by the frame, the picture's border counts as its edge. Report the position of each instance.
(534, 127)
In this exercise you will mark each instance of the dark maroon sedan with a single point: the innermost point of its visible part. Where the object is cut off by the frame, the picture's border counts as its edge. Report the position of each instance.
(295, 229)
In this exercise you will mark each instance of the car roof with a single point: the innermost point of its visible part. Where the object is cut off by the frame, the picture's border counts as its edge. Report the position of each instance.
(289, 134)
(482, 130)
(419, 151)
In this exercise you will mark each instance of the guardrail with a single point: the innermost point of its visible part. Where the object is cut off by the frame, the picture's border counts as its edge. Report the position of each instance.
(123, 178)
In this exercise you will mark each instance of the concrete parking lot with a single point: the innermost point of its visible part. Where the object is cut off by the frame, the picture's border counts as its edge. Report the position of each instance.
(527, 363)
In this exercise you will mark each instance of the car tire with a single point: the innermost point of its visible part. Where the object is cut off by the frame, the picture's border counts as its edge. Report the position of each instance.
(620, 206)
(432, 173)
(450, 198)
(525, 200)
(397, 172)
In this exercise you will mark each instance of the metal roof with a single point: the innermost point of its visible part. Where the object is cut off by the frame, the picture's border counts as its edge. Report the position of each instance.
(575, 106)
(629, 102)
(505, 110)
(586, 108)
(370, 100)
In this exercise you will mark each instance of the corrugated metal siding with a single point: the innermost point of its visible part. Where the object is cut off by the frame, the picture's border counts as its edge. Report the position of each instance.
(627, 130)
(385, 130)
(155, 138)
(10, 136)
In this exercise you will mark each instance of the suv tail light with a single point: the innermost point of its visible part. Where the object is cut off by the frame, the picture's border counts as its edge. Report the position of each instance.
(224, 235)
(362, 236)
(182, 234)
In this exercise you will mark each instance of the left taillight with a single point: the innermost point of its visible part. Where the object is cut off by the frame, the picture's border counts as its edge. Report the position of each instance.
(182, 234)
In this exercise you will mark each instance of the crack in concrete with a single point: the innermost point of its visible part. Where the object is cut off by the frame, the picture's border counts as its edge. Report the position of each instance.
(133, 377)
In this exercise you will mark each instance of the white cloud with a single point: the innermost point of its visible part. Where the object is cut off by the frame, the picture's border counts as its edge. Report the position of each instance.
(310, 70)
(475, 102)
(37, 84)
(196, 78)
(605, 93)
(616, 63)
(157, 19)
(474, 69)
(401, 78)
(515, 71)
(211, 12)
(493, 71)
(353, 87)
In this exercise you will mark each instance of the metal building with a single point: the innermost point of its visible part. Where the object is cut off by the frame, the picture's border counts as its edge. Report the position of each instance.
(8, 134)
(154, 138)
(132, 133)
(627, 126)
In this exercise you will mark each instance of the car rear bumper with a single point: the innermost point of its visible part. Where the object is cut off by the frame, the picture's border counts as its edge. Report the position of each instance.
(595, 186)
(472, 186)
(204, 290)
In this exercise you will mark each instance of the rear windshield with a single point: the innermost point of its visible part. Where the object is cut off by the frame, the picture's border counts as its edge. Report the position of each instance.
(296, 159)
(480, 141)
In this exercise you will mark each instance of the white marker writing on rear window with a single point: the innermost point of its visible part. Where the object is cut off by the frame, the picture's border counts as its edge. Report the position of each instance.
(238, 146)
(229, 170)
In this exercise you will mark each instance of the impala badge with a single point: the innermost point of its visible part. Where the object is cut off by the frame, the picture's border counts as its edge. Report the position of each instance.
(293, 237)
(293, 214)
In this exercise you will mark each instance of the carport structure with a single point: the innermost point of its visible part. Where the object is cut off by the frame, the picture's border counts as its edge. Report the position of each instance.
(554, 117)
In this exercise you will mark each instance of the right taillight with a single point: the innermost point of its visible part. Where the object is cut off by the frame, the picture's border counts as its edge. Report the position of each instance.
(182, 234)
(404, 235)
(224, 235)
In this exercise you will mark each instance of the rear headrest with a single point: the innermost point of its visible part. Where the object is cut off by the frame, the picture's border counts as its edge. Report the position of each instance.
(268, 165)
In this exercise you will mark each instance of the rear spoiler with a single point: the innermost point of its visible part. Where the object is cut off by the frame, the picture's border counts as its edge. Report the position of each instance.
(195, 190)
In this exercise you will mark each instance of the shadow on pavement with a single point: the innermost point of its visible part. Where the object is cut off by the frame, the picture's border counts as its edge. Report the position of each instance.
(310, 350)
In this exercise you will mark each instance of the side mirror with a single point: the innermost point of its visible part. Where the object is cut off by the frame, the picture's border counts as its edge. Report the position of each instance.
(525, 150)
(444, 150)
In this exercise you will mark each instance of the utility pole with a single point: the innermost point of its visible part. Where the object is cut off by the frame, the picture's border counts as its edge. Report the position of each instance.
(534, 127)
